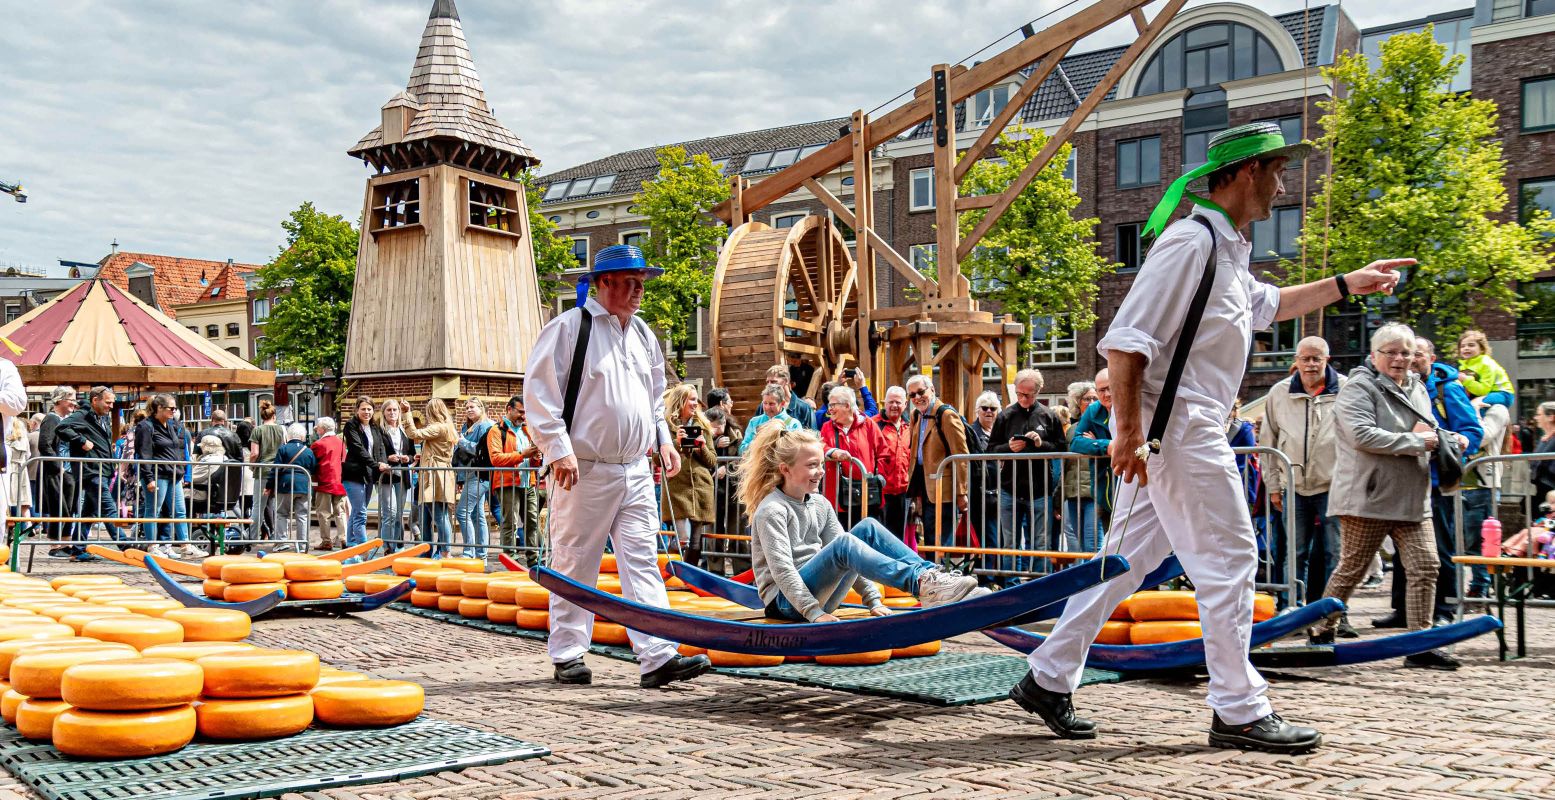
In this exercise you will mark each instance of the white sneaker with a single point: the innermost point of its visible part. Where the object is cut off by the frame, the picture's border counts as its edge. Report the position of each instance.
(159, 551)
(938, 587)
(191, 552)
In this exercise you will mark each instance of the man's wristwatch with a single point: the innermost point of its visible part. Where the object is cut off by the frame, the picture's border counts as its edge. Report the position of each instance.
(1344, 288)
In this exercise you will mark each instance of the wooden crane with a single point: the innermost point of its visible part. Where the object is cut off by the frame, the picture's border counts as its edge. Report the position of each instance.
(800, 290)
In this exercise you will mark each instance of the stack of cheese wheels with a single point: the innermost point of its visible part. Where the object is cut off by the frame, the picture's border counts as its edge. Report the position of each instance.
(313, 579)
(534, 606)
(251, 580)
(256, 693)
(34, 678)
(127, 708)
(502, 591)
(450, 590)
(425, 594)
(474, 602)
(1173, 616)
(215, 588)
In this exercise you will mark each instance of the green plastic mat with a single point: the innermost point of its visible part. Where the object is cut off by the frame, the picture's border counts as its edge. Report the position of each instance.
(317, 758)
(946, 679)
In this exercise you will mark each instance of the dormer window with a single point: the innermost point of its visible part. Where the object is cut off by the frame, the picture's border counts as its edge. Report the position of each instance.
(988, 103)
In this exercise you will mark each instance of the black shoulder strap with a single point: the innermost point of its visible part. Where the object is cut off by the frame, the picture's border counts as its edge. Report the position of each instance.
(580, 352)
(1190, 331)
(939, 424)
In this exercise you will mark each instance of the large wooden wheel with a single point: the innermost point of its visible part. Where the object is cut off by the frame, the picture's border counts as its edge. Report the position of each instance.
(779, 291)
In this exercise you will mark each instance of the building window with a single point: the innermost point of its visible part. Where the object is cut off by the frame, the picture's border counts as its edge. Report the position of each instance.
(1538, 8)
(194, 329)
(1274, 350)
(1535, 195)
(1204, 115)
(921, 189)
(494, 207)
(235, 351)
(265, 362)
(261, 309)
(1290, 128)
(233, 329)
(1129, 247)
(1208, 55)
(636, 239)
(787, 220)
(1275, 237)
(846, 230)
(580, 187)
(1501, 10)
(924, 257)
(1539, 104)
(580, 251)
(12, 311)
(1536, 324)
(987, 104)
(1139, 162)
(1052, 341)
(212, 331)
(692, 338)
(396, 204)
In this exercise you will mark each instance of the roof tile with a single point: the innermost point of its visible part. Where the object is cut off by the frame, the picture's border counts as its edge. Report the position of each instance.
(179, 280)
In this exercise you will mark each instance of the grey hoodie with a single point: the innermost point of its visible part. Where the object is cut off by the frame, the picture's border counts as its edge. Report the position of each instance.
(1381, 468)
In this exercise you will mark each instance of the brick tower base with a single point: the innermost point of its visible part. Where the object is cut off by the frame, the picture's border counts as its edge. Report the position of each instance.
(418, 389)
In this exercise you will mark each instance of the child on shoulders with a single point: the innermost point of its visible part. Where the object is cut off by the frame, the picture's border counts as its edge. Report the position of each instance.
(1482, 377)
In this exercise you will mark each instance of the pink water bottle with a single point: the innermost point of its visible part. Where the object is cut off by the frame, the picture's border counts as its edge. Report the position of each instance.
(1490, 538)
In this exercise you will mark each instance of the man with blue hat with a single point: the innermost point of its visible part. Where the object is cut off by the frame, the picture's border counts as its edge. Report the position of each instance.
(594, 389)
(1176, 353)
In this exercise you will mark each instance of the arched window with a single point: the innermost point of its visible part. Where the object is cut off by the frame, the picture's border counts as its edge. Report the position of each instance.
(1208, 55)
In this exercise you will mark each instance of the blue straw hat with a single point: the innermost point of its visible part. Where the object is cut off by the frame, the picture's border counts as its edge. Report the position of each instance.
(615, 258)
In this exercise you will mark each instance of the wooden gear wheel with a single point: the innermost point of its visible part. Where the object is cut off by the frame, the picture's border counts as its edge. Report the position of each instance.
(779, 291)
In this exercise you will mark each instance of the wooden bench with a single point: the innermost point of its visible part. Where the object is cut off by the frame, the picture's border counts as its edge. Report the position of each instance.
(1509, 587)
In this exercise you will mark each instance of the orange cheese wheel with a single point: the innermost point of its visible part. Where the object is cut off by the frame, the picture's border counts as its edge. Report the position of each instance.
(1162, 605)
(78, 620)
(721, 658)
(37, 604)
(52, 630)
(855, 659)
(409, 564)
(674, 583)
(421, 599)
(35, 717)
(1115, 631)
(259, 673)
(892, 591)
(8, 705)
(664, 560)
(355, 583)
(287, 558)
(505, 589)
(138, 684)
(254, 718)
(244, 592)
(607, 563)
(332, 675)
(473, 607)
(1121, 613)
(533, 619)
(501, 613)
(38, 674)
(378, 583)
(10, 651)
(450, 582)
(123, 734)
(689, 650)
(449, 603)
(192, 651)
(426, 578)
(134, 630)
(917, 650)
(15, 613)
(314, 569)
(85, 580)
(368, 704)
(853, 597)
(1263, 607)
(314, 590)
(610, 633)
(212, 566)
(215, 588)
(151, 607)
(463, 564)
(535, 596)
(899, 602)
(212, 624)
(60, 611)
(102, 595)
(254, 572)
(1159, 631)
(608, 582)
(475, 585)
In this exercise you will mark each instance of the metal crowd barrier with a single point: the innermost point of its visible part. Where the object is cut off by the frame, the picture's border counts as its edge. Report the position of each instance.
(406, 521)
(214, 503)
(1463, 534)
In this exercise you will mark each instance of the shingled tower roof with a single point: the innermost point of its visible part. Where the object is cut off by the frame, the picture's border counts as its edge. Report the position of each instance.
(442, 116)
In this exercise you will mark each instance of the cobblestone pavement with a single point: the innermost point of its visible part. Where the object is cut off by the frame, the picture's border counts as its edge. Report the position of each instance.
(1390, 732)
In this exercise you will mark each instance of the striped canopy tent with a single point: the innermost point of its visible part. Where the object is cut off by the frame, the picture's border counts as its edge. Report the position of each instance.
(96, 333)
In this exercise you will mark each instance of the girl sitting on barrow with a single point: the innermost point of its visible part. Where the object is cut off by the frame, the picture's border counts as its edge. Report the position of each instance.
(804, 562)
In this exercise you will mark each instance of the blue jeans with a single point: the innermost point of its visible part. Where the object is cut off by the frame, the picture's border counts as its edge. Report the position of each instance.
(166, 502)
(391, 515)
(1478, 506)
(869, 551)
(1024, 525)
(436, 517)
(471, 513)
(1080, 531)
(358, 494)
(97, 501)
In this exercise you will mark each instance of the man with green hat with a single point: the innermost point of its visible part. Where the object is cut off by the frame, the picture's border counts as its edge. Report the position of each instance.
(1176, 353)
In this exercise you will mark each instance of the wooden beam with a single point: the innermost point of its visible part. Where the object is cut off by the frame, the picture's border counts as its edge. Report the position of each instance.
(991, 133)
(1083, 23)
(947, 231)
(1007, 197)
(864, 216)
(737, 215)
(925, 285)
(831, 202)
(976, 201)
(797, 263)
(1139, 19)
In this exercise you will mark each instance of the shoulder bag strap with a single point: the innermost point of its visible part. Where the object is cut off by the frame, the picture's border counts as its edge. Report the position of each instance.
(580, 352)
(1190, 330)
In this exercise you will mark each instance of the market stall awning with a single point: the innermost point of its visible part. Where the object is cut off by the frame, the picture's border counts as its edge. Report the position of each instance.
(96, 333)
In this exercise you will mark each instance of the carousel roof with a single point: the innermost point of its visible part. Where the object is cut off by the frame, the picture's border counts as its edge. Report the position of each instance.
(98, 333)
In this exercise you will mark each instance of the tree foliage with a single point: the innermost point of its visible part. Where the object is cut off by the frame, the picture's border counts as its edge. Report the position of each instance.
(1417, 172)
(683, 240)
(314, 275)
(553, 254)
(1037, 260)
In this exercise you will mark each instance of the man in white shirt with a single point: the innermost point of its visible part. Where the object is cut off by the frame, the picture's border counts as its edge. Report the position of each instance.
(601, 482)
(13, 401)
(1189, 499)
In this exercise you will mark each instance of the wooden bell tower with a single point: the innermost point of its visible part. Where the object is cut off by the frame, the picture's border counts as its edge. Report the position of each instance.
(447, 302)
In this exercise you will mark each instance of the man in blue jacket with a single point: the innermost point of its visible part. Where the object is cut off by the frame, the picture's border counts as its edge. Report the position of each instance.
(1453, 410)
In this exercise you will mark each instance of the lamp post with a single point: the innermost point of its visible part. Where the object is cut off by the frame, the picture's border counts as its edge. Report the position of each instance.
(309, 388)
(15, 190)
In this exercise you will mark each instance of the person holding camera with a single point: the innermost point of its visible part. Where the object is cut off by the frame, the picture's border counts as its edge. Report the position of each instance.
(846, 436)
(687, 496)
(853, 378)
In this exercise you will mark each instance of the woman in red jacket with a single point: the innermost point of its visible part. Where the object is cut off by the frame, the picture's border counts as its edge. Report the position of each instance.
(848, 434)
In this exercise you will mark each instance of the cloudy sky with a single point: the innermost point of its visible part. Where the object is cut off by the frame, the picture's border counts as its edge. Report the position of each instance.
(192, 127)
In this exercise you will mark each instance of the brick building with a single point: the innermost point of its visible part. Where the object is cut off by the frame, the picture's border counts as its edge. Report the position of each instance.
(1214, 67)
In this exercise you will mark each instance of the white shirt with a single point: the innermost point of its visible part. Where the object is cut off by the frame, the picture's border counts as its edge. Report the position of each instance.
(620, 411)
(13, 401)
(1150, 320)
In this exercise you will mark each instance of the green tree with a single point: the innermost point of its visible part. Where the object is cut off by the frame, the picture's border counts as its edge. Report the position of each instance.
(314, 275)
(683, 240)
(553, 254)
(1417, 172)
(1037, 260)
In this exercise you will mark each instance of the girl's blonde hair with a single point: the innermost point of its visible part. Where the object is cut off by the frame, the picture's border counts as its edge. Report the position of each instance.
(18, 430)
(674, 398)
(773, 446)
(1478, 337)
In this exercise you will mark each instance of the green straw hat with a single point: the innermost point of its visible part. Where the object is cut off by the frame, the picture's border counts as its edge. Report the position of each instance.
(1234, 146)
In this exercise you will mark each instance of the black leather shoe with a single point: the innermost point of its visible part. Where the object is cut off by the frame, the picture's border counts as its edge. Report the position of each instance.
(1432, 659)
(1269, 734)
(1055, 709)
(574, 671)
(1345, 630)
(1393, 620)
(679, 668)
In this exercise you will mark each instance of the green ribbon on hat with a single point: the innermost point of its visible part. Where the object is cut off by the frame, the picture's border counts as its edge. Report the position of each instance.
(1229, 152)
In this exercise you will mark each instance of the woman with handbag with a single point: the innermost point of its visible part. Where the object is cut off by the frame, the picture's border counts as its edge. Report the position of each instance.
(846, 435)
(1382, 480)
(687, 499)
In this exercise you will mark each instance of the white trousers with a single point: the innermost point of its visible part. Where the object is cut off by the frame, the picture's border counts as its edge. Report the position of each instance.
(1194, 506)
(614, 501)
